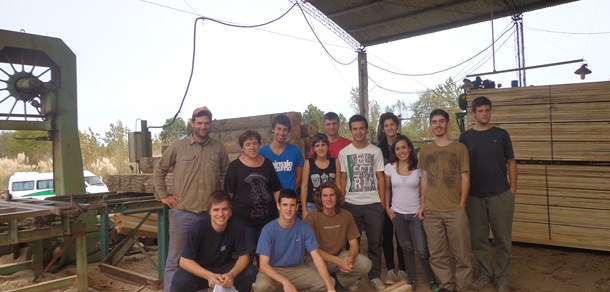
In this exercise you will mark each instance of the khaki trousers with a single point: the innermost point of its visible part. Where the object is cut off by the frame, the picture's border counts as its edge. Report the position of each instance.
(448, 236)
(302, 277)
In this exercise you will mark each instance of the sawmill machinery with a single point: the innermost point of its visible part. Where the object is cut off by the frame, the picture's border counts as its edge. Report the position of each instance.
(39, 94)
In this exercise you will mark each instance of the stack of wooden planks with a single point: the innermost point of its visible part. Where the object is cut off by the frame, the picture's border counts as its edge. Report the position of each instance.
(561, 136)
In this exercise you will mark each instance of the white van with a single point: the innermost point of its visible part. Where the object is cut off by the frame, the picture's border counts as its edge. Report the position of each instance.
(39, 185)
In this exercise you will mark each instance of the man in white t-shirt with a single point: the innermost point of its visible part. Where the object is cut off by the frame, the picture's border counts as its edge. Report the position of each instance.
(363, 183)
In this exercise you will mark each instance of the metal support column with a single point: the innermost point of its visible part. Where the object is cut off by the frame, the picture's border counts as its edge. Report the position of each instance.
(162, 240)
(80, 240)
(363, 84)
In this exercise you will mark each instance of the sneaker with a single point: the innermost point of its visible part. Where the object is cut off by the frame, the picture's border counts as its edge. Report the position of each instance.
(402, 275)
(377, 284)
(354, 286)
(413, 284)
(503, 288)
(434, 286)
(481, 283)
(390, 278)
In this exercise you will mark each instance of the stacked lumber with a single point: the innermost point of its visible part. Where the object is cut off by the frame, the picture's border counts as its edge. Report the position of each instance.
(227, 131)
(561, 138)
(126, 223)
(136, 183)
(568, 122)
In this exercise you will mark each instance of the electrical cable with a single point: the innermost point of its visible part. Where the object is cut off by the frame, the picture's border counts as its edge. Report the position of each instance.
(188, 85)
(491, 52)
(320, 42)
(203, 18)
(393, 90)
(565, 32)
(440, 71)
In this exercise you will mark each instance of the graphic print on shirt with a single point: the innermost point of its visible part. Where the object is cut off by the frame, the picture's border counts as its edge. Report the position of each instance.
(443, 169)
(260, 198)
(361, 168)
(317, 179)
(283, 165)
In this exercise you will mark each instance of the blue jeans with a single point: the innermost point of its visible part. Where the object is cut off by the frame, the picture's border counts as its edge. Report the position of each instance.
(180, 222)
(370, 218)
(412, 237)
(184, 281)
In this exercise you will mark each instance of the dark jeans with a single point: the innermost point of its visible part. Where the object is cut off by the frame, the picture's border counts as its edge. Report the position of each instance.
(388, 246)
(370, 218)
(180, 222)
(184, 281)
(412, 238)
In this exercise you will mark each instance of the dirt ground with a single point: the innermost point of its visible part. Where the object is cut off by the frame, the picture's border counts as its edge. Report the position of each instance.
(535, 268)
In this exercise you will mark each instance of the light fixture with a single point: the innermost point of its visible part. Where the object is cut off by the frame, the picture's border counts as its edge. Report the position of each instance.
(582, 71)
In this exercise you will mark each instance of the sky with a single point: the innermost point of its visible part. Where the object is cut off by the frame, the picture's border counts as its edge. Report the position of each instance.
(134, 57)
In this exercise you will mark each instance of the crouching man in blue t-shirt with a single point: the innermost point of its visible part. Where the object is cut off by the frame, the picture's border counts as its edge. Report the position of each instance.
(282, 246)
(213, 243)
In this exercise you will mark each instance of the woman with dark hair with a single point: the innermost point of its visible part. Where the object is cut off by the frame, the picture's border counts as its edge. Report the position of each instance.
(253, 184)
(318, 169)
(405, 208)
(388, 127)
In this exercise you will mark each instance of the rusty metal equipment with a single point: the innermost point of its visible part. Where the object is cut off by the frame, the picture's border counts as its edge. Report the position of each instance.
(29, 220)
(39, 74)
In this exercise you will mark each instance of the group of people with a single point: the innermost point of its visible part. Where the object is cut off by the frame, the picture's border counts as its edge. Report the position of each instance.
(251, 235)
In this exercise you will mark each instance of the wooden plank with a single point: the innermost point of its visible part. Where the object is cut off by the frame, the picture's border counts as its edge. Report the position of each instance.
(129, 276)
(530, 232)
(580, 217)
(581, 151)
(532, 150)
(580, 237)
(581, 132)
(136, 183)
(51, 285)
(588, 199)
(401, 286)
(531, 196)
(580, 92)
(581, 112)
(531, 213)
(518, 114)
(531, 185)
(528, 132)
(579, 177)
(514, 95)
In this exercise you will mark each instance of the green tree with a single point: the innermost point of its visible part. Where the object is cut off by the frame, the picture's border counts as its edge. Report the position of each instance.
(91, 148)
(36, 145)
(116, 146)
(444, 96)
(313, 116)
(174, 131)
(373, 114)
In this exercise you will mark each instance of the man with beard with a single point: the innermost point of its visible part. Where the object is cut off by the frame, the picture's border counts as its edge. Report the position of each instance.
(198, 162)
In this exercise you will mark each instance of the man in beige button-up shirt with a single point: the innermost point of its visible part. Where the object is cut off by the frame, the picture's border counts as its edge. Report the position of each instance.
(198, 162)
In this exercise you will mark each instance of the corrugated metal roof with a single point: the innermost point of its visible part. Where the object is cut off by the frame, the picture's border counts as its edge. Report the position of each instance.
(373, 22)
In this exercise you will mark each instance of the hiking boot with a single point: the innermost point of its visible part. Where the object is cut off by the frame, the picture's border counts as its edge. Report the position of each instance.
(390, 277)
(377, 284)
